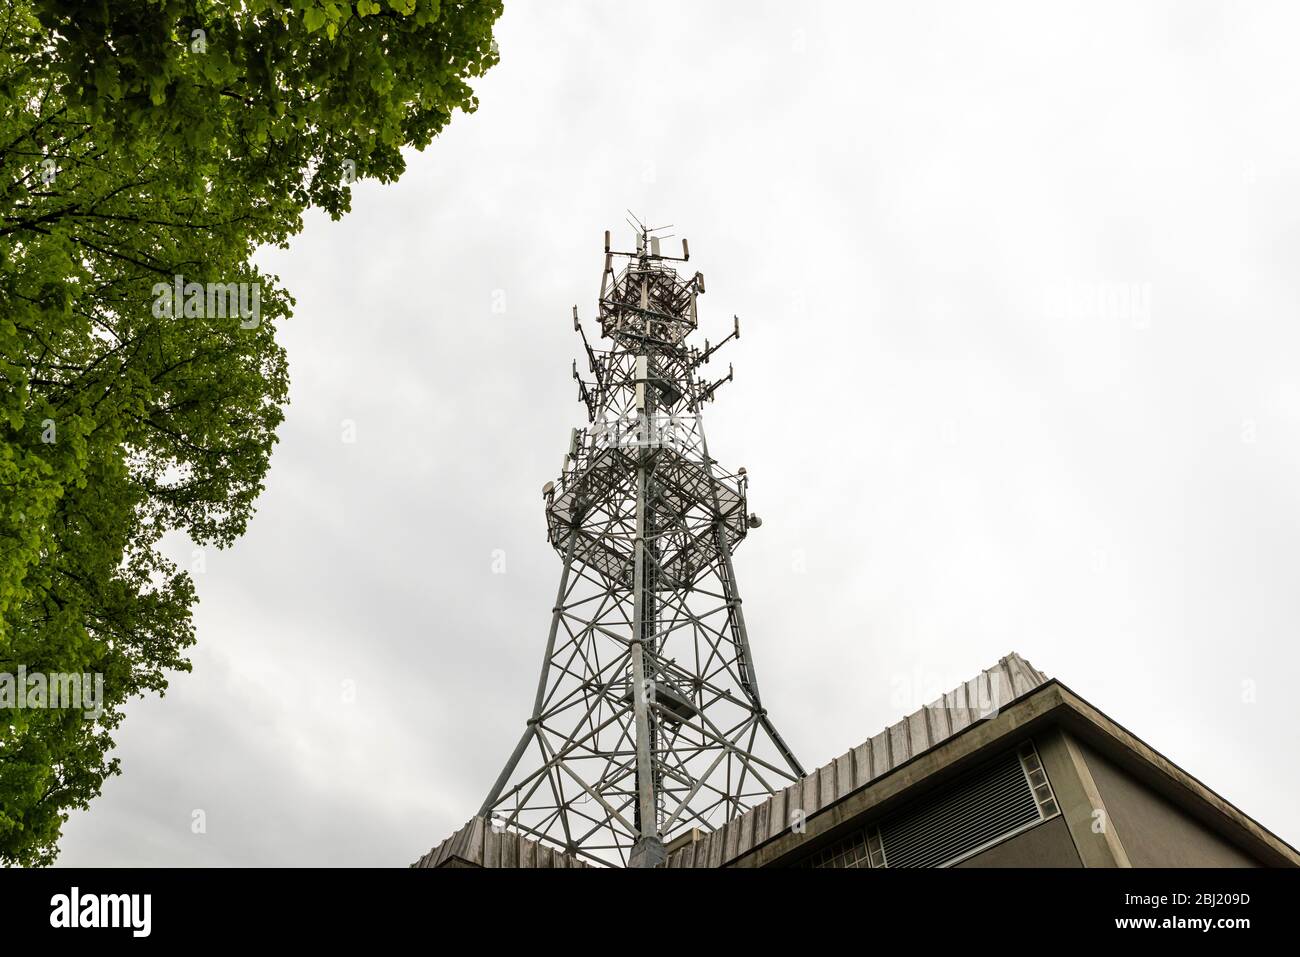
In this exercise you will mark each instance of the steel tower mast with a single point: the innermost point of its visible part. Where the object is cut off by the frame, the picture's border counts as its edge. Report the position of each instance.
(647, 721)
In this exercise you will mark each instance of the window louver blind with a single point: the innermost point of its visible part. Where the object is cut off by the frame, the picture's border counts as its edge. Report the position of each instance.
(992, 802)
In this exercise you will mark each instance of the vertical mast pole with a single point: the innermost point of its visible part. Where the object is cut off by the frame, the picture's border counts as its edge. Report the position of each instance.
(649, 849)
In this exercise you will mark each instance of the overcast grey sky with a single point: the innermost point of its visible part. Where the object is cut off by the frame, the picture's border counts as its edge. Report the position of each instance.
(1018, 372)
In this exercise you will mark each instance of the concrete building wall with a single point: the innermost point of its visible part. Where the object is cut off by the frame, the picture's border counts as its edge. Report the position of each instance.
(1045, 845)
(1153, 831)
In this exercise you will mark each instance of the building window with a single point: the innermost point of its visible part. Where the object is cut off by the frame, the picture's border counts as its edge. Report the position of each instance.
(989, 804)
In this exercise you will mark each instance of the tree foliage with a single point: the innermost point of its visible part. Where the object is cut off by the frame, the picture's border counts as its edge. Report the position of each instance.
(141, 140)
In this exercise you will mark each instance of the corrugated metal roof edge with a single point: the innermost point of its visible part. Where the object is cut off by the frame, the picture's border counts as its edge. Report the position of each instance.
(478, 844)
(975, 700)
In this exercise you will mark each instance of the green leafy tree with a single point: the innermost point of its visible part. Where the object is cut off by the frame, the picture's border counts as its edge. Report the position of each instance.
(142, 140)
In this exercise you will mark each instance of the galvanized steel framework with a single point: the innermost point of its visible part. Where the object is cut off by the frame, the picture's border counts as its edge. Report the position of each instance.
(648, 720)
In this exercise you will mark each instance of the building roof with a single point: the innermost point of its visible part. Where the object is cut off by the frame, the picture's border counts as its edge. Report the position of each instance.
(479, 844)
(1006, 702)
